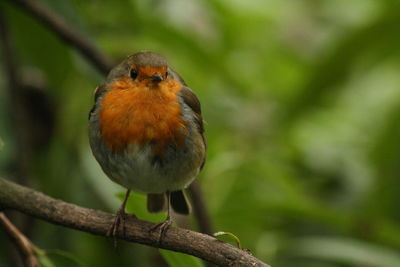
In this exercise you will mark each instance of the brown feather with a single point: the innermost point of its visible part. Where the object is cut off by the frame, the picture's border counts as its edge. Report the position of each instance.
(156, 202)
(101, 89)
(179, 202)
(190, 98)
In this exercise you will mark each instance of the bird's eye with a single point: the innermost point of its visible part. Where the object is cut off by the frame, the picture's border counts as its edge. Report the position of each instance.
(133, 73)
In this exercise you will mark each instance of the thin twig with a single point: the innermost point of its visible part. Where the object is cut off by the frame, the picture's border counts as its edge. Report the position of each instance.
(22, 243)
(68, 34)
(29, 201)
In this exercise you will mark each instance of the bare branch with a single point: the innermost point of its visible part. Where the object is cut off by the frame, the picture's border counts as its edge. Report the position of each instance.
(22, 243)
(61, 28)
(29, 201)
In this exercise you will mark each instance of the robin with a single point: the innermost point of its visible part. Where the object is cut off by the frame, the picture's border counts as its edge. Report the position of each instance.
(147, 134)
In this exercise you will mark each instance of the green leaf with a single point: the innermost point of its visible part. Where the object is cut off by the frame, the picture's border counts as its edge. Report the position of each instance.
(175, 259)
(65, 256)
(231, 236)
(45, 261)
(56, 257)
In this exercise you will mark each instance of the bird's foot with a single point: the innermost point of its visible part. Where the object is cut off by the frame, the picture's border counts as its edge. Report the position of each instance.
(119, 220)
(162, 227)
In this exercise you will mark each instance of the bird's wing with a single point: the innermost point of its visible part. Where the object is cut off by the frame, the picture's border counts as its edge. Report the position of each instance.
(97, 93)
(190, 98)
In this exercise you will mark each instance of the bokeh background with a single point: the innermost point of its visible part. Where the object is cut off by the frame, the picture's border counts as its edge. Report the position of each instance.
(302, 106)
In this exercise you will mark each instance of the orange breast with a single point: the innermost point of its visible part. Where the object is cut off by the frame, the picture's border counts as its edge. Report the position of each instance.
(135, 114)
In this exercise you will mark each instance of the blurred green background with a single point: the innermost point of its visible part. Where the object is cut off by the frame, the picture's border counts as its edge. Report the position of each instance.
(302, 107)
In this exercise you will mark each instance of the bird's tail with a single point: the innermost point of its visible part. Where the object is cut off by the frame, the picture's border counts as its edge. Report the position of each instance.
(179, 203)
(156, 203)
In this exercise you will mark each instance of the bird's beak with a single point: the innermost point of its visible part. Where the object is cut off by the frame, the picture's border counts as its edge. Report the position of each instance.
(156, 78)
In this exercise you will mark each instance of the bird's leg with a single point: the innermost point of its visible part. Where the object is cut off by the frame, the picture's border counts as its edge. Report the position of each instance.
(120, 218)
(163, 226)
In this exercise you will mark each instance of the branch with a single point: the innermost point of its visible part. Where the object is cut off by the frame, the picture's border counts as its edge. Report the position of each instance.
(24, 246)
(29, 201)
(68, 34)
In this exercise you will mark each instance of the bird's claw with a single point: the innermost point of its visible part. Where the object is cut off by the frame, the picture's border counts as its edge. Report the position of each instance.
(163, 227)
(120, 218)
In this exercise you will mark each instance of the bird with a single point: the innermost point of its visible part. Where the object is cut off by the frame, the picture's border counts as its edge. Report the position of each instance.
(146, 131)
